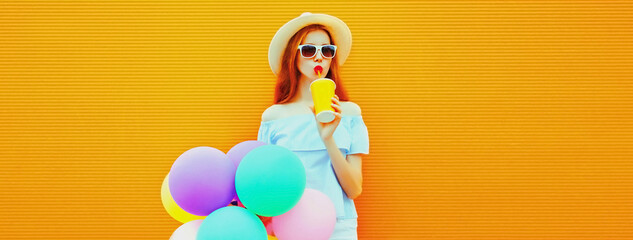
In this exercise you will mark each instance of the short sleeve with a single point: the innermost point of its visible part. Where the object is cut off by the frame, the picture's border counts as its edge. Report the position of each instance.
(359, 135)
(264, 134)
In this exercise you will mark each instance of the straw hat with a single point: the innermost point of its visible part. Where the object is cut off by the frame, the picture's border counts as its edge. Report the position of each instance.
(341, 36)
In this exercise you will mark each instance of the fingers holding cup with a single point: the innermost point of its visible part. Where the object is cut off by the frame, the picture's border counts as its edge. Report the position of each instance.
(337, 101)
(337, 107)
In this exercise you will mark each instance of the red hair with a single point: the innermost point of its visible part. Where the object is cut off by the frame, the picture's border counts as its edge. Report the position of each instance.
(288, 78)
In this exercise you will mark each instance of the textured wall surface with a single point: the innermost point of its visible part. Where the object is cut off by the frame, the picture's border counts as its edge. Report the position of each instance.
(487, 119)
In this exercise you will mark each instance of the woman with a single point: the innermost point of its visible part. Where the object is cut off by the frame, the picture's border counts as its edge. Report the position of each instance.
(331, 152)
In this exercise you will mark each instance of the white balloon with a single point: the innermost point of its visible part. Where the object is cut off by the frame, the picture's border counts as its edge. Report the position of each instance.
(187, 231)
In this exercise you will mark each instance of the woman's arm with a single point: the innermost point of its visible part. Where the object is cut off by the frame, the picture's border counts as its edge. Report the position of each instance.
(348, 171)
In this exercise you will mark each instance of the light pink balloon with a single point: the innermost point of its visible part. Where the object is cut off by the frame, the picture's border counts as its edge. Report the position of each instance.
(313, 218)
(187, 231)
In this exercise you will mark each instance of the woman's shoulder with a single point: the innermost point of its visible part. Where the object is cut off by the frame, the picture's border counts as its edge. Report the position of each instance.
(350, 108)
(278, 111)
(272, 112)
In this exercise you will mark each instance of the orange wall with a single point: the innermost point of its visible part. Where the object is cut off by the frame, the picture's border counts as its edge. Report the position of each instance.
(487, 120)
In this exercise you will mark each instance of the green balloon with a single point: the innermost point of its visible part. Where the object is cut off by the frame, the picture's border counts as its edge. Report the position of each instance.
(270, 180)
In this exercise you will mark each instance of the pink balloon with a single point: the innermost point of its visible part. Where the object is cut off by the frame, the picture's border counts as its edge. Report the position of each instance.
(313, 218)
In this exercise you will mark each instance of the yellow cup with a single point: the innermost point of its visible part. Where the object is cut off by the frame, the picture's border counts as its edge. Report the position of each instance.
(322, 91)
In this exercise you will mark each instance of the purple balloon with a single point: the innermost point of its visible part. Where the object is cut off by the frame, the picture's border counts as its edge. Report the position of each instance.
(241, 149)
(202, 180)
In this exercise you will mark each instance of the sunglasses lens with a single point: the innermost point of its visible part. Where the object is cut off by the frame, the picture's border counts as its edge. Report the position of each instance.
(328, 51)
(308, 51)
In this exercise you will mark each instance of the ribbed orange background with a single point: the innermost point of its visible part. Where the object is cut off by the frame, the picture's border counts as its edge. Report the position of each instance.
(487, 119)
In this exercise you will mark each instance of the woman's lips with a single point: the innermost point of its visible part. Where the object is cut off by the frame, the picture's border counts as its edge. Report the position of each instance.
(318, 69)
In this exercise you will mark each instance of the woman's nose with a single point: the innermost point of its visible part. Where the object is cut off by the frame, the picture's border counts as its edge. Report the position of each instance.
(319, 56)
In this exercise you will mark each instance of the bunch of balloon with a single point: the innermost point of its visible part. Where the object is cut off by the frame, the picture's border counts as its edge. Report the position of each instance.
(267, 180)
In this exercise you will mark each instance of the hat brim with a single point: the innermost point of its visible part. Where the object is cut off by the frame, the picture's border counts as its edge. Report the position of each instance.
(341, 36)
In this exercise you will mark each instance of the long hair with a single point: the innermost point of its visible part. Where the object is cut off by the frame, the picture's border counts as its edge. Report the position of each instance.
(288, 78)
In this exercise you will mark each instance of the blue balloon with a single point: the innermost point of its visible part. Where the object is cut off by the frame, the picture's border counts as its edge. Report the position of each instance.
(270, 180)
(232, 223)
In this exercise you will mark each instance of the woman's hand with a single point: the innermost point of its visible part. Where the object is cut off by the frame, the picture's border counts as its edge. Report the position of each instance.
(326, 130)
